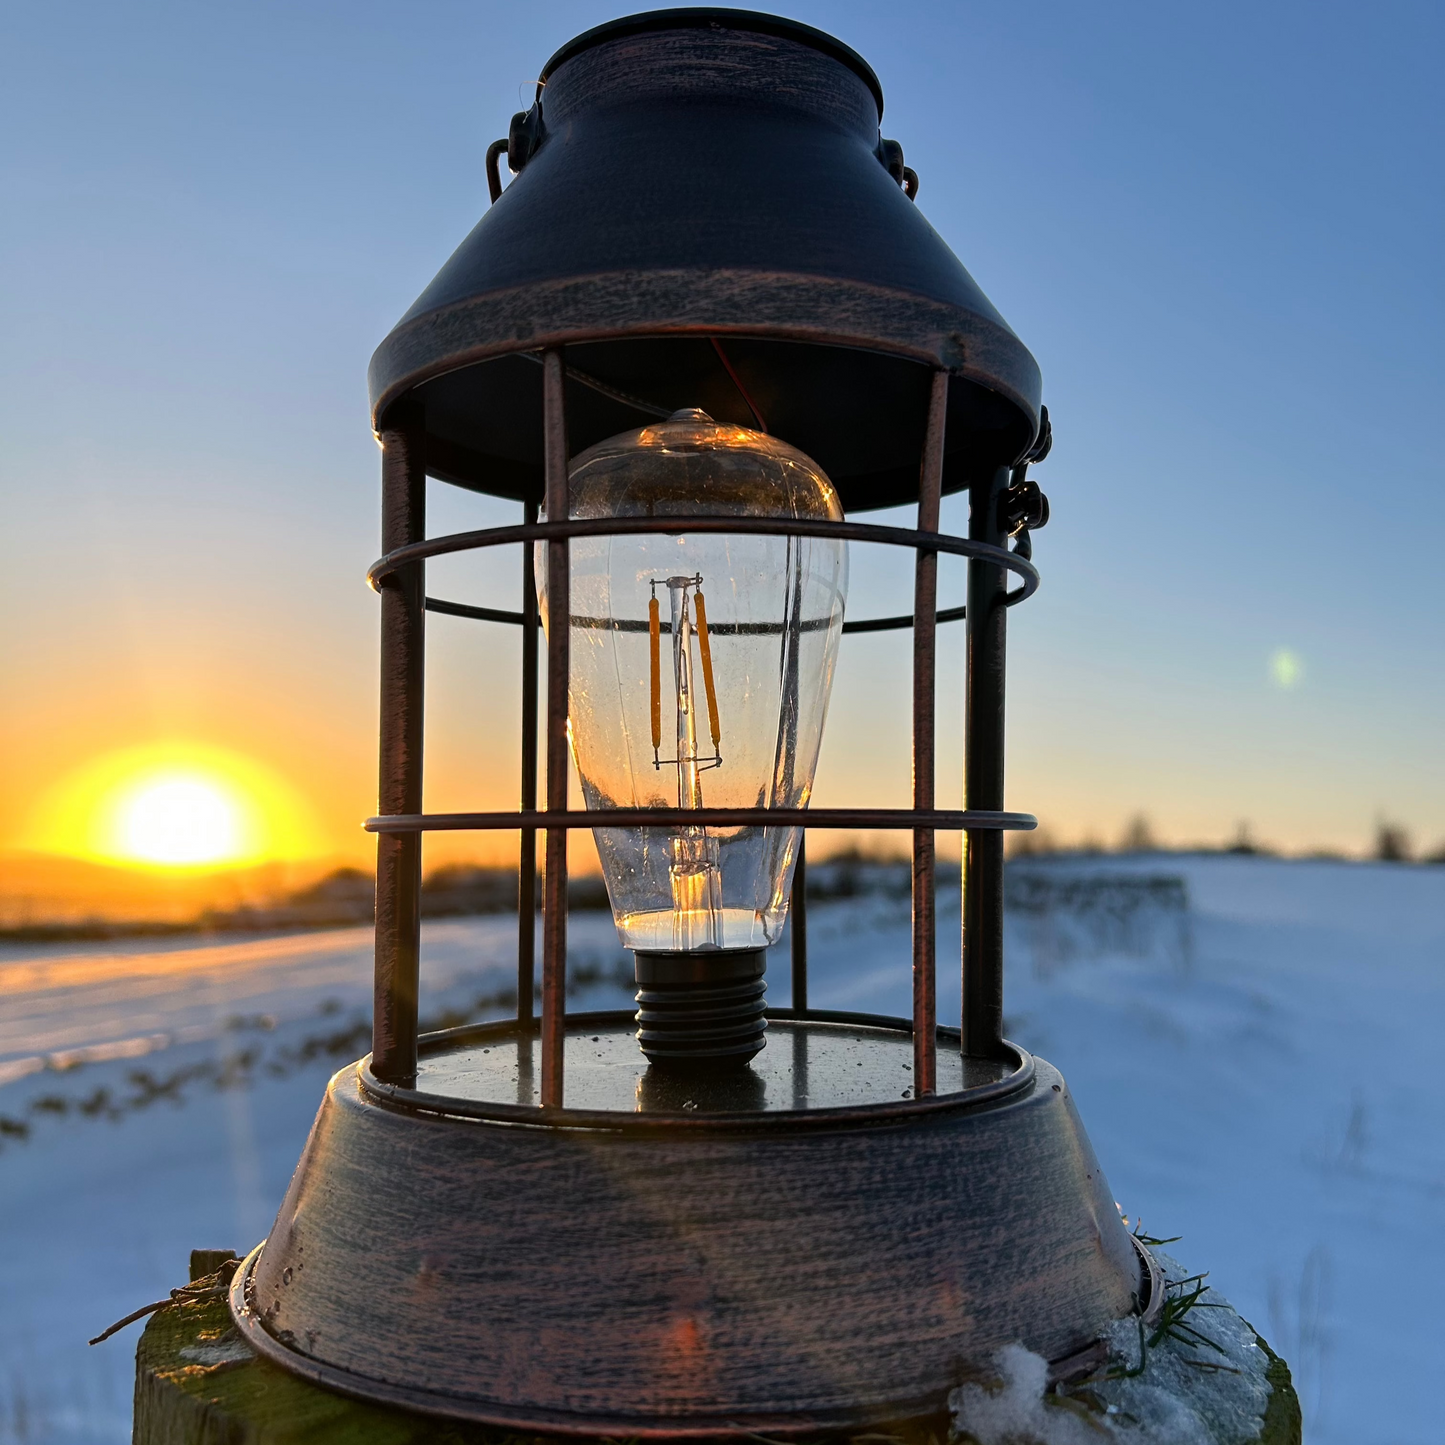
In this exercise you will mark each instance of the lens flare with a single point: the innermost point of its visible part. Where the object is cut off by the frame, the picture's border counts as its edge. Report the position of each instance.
(1286, 668)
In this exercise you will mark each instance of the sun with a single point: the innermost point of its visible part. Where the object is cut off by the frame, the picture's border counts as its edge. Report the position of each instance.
(176, 806)
(184, 818)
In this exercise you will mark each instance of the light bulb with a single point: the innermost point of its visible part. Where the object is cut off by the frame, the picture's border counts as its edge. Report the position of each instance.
(700, 671)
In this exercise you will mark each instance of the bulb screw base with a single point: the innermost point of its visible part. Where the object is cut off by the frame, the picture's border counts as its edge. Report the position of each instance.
(701, 1010)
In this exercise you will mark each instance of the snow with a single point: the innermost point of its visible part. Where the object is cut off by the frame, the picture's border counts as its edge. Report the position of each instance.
(1249, 1052)
(1188, 1392)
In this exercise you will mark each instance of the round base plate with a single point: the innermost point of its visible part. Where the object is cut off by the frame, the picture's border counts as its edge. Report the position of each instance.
(820, 1250)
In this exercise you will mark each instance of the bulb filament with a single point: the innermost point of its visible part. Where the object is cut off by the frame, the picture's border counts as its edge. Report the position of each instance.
(694, 865)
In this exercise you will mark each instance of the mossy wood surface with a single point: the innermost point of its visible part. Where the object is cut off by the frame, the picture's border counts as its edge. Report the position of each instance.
(198, 1383)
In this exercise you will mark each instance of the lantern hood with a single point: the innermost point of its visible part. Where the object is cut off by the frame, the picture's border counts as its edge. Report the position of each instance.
(704, 214)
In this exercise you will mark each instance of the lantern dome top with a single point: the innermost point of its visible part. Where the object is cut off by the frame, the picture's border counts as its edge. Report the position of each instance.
(704, 214)
(714, 17)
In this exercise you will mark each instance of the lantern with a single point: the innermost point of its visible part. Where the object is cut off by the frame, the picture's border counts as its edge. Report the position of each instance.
(702, 330)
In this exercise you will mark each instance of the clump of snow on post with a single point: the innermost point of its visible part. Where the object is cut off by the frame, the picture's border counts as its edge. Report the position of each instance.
(1020, 1411)
(1187, 1394)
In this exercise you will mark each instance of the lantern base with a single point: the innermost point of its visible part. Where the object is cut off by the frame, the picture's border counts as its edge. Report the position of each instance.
(816, 1250)
(699, 1011)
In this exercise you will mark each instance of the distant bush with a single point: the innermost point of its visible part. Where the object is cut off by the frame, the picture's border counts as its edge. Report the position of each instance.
(1067, 915)
(462, 889)
(1138, 836)
(1041, 843)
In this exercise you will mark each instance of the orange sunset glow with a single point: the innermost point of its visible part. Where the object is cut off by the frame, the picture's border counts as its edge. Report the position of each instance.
(175, 806)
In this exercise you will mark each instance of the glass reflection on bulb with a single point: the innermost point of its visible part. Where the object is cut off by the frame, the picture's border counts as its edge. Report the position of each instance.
(700, 671)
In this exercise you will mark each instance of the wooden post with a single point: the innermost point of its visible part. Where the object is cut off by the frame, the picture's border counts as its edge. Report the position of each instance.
(199, 1383)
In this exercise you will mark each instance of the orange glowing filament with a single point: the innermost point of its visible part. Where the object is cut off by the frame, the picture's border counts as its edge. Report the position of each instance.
(704, 649)
(654, 630)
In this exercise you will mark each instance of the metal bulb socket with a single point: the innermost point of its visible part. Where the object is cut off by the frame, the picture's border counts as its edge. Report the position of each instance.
(701, 1010)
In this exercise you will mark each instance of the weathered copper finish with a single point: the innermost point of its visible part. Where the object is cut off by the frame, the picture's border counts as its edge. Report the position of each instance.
(718, 175)
(798, 927)
(501, 614)
(403, 658)
(983, 775)
(559, 593)
(997, 555)
(862, 818)
(527, 855)
(687, 1273)
(925, 628)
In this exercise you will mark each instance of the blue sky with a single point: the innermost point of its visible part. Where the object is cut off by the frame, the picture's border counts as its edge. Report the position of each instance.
(1218, 228)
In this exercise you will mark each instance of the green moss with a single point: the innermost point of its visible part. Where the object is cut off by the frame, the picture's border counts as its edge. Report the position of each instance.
(245, 1400)
(1283, 1423)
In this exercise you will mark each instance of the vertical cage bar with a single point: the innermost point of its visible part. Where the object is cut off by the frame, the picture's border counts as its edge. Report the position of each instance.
(559, 608)
(527, 859)
(983, 778)
(403, 657)
(798, 924)
(925, 627)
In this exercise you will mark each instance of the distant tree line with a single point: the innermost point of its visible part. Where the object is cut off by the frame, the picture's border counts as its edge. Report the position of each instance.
(1392, 844)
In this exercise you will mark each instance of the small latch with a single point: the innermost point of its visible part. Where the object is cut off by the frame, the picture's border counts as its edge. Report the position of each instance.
(890, 156)
(1022, 508)
(523, 138)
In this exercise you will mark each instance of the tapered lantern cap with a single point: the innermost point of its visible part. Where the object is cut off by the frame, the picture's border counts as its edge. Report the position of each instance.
(691, 175)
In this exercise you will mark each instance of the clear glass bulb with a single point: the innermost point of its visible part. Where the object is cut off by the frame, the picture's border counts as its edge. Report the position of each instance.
(700, 672)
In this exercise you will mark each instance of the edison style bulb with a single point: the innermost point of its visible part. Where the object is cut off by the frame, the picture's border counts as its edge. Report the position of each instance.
(700, 671)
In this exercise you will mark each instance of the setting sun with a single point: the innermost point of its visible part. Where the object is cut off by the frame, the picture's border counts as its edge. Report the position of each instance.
(184, 818)
(176, 806)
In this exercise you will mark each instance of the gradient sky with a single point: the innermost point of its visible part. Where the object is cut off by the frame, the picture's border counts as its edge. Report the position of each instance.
(1217, 227)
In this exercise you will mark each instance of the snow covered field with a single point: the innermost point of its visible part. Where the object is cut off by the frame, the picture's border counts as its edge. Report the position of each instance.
(1248, 1040)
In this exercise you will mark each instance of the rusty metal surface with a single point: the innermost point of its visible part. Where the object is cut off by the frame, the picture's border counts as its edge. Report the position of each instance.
(925, 629)
(798, 926)
(516, 619)
(710, 526)
(559, 592)
(527, 855)
(946, 819)
(983, 775)
(423, 1258)
(403, 656)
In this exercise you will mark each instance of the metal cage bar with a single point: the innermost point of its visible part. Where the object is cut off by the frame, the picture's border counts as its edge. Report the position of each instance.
(925, 628)
(939, 819)
(403, 657)
(676, 526)
(527, 855)
(559, 605)
(500, 614)
(983, 776)
(399, 576)
(798, 927)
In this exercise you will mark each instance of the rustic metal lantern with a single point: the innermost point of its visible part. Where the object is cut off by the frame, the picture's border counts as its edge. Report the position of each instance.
(703, 322)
